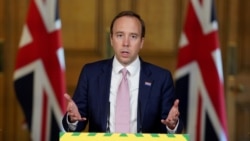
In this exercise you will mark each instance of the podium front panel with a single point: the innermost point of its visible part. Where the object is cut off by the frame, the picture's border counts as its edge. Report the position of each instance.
(84, 136)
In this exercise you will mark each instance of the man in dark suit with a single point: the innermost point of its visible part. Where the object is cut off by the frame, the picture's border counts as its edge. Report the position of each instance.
(153, 107)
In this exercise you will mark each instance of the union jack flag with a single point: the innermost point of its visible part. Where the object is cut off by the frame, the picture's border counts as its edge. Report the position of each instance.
(199, 75)
(39, 71)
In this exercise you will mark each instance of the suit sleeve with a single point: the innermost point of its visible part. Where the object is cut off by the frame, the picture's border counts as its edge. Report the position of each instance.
(80, 98)
(168, 99)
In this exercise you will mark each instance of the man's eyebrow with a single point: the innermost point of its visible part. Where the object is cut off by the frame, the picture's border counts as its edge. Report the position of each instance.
(117, 32)
(134, 34)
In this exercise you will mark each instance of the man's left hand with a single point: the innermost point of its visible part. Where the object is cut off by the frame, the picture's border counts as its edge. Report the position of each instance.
(173, 116)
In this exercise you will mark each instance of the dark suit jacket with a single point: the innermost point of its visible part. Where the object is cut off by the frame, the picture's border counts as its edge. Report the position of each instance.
(156, 97)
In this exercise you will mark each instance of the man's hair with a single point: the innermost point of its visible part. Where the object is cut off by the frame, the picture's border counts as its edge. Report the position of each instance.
(129, 14)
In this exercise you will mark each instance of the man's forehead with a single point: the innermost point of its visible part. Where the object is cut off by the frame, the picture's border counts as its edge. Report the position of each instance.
(125, 23)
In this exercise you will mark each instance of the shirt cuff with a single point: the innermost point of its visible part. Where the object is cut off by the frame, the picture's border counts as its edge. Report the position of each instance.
(172, 131)
(73, 125)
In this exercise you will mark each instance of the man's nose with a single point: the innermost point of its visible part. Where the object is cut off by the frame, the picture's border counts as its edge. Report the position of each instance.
(126, 41)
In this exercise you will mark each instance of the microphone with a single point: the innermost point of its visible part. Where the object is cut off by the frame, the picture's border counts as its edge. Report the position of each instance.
(108, 116)
(140, 117)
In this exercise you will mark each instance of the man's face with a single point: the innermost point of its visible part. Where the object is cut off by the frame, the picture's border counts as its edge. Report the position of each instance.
(126, 39)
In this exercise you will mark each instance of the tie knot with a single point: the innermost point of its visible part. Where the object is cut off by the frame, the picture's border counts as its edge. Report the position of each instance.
(124, 72)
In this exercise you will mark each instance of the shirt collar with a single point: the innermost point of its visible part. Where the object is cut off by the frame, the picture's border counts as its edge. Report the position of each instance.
(132, 68)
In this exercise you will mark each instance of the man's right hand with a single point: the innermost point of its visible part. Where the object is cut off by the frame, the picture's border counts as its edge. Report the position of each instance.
(72, 110)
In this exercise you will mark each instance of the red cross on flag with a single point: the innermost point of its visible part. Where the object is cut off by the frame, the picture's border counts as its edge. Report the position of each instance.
(199, 75)
(39, 71)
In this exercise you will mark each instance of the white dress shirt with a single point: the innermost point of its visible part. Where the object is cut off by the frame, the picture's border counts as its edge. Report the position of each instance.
(133, 82)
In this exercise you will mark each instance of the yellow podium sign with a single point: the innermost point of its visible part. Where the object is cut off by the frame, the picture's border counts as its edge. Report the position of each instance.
(83, 136)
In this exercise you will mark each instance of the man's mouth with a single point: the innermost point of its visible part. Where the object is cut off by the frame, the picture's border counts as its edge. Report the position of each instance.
(124, 53)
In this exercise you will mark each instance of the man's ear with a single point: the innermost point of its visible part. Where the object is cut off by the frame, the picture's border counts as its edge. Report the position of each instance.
(142, 42)
(111, 39)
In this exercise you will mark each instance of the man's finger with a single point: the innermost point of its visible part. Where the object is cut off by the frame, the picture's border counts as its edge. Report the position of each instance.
(176, 103)
(67, 97)
(75, 118)
(163, 121)
(83, 119)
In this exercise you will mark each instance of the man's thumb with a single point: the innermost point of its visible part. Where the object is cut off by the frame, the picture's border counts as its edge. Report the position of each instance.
(67, 97)
(176, 103)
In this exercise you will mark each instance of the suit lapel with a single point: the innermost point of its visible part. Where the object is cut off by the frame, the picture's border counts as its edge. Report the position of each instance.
(104, 83)
(145, 84)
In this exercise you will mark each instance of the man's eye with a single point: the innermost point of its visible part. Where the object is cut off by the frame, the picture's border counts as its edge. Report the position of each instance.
(134, 36)
(119, 35)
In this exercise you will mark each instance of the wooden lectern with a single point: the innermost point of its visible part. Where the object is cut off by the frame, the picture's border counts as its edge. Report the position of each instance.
(84, 136)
